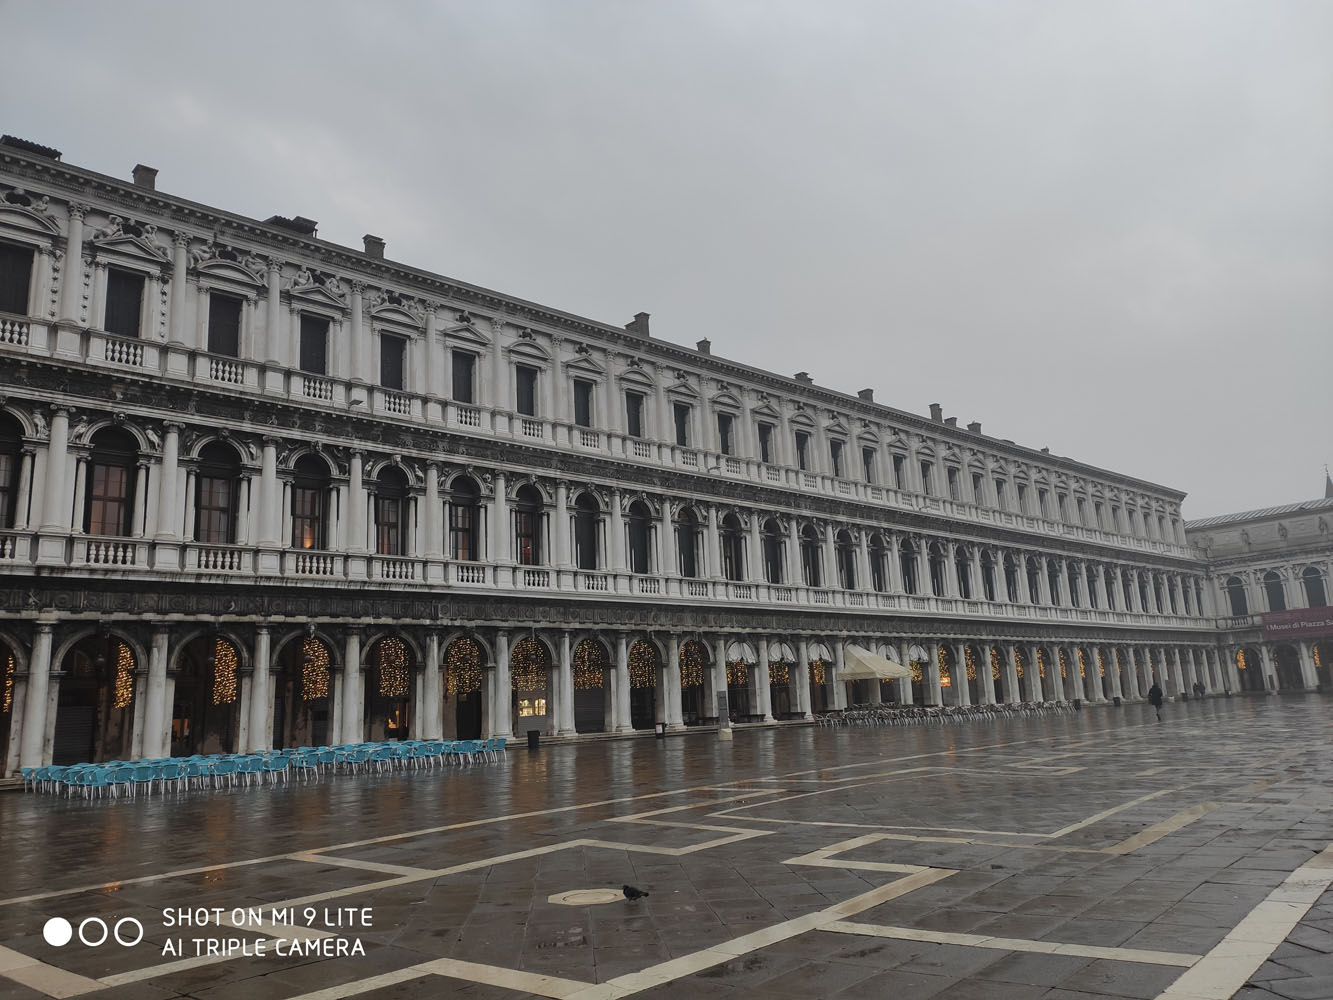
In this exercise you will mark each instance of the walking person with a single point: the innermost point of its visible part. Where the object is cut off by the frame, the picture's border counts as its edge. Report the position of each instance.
(1155, 698)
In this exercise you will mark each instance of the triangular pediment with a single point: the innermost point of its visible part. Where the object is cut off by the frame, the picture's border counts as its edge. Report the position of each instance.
(131, 247)
(585, 365)
(767, 410)
(951, 455)
(836, 427)
(318, 295)
(466, 333)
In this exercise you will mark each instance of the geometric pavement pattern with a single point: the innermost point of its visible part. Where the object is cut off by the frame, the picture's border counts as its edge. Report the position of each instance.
(1098, 854)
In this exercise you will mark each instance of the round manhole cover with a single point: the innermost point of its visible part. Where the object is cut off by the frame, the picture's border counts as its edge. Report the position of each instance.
(585, 897)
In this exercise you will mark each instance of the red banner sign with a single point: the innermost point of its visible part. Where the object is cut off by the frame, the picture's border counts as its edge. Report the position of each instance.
(1307, 623)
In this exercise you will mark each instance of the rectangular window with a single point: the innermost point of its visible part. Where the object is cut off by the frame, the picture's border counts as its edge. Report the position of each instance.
(1044, 503)
(1117, 524)
(681, 414)
(634, 414)
(900, 472)
(953, 483)
(582, 403)
(15, 277)
(224, 325)
(393, 352)
(868, 464)
(8, 487)
(110, 500)
(766, 443)
(926, 485)
(525, 390)
(307, 517)
(388, 526)
(724, 442)
(978, 493)
(314, 344)
(802, 450)
(463, 531)
(216, 510)
(1098, 514)
(124, 302)
(527, 538)
(1061, 505)
(835, 456)
(465, 367)
(1022, 498)
(1001, 500)
(1082, 510)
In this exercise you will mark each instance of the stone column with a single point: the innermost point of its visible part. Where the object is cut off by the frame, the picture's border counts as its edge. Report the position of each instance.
(931, 676)
(763, 686)
(622, 714)
(269, 509)
(714, 568)
(962, 696)
(356, 505)
(675, 715)
(803, 679)
(1309, 677)
(71, 281)
(986, 674)
(617, 540)
(861, 573)
(33, 740)
(167, 515)
(23, 496)
(497, 525)
(754, 565)
(560, 530)
(1032, 669)
(828, 575)
(502, 721)
(259, 733)
(353, 711)
(155, 722)
(720, 675)
(1043, 582)
(1013, 694)
(434, 533)
(837, 686)
(895, 566)
(565, 710)
(55, 507)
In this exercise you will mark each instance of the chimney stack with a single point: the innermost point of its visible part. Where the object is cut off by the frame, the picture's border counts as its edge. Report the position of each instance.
(950, 421)
(936, 413)
(975, 426)
(374, 246)
(704, 347)
(639, 325)
(867, 394)
(804, 377)
(145, 177)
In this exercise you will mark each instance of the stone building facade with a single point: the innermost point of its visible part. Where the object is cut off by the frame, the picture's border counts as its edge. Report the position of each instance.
(262, 489)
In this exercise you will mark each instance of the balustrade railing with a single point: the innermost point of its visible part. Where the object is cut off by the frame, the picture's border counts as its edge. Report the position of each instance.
(123, 352)
(465, 573)
(316, 388)
(14, 331)
(223, 370)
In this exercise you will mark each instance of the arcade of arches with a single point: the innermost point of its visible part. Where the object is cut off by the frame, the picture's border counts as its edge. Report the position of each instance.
(125, 692)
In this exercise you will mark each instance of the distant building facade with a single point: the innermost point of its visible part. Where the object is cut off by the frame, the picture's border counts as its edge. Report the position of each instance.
(260, 489)
(1269, 573)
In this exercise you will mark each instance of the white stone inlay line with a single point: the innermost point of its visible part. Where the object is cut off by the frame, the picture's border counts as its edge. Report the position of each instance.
(1013, 944)
(1157, 831)
(1226, 968)
(44, 978)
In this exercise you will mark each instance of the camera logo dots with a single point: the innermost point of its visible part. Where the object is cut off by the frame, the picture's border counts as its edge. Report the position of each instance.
(93, 932)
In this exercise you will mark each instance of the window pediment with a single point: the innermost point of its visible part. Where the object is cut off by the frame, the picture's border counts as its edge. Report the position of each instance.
(727, 400)
(397, 315)
(530, 351)
(636, 378)
(836, 428)
(327, 293)
(585, 367)
(27, 220)
(466, 334)
(683, 390)
(231, 274)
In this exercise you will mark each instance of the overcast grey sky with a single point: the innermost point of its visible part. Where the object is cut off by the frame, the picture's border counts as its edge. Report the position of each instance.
(1102, 227)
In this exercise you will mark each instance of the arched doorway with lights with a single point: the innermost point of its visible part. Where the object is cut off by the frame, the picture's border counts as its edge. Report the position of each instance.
(205, 710)
(303, 695)
(694, 669)
(820, 665)
(592, 693)
(390, 689)
(95, 702)
(1249, 668)
(781, 680)
(530, 680)
(919, 663)
(643, 670)
(464, 657)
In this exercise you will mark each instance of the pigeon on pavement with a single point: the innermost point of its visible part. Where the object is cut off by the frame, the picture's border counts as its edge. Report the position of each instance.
(633, 893)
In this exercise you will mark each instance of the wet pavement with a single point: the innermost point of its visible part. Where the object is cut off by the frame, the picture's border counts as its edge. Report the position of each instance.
(1097, 854)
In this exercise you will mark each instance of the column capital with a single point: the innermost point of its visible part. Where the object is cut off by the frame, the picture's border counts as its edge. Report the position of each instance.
(77, 210)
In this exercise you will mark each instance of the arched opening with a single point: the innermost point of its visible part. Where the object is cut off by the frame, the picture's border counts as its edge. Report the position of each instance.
(388, 702)
(944, 664)
(974, 663)
(919, 663)
(771, 537)
(879, 560)
(110, 498)
(95, 704)
(11, 458)
(738, 684)
(693, 694)
(528, 540)
(1034, 581)
(642, 684)
(205, 712)
(962, 557)
(1287, 663)
(311, 486)
(845, 549)
(587, 528)
(1235, 590)
(1249, 669)
(780, 693)
(938, 567)
(1316, 596)
(463, 684)
(733, 548)
(638, 525)
(1011, 579)
(907, 560)
(465, 520)
(1277, 600)
(217, 491)
(687, 543)
(1108, 581)
(812, 566)
(590, 689)
(529, 665)
(1053, 581)
(988, 576)
(303, 697)
(390, 511)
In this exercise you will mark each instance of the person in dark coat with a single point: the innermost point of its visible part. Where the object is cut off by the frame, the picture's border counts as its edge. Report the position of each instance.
(1155, 699)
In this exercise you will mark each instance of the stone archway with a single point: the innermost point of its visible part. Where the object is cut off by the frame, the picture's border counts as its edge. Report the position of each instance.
(464, 684)
(96, 701)
(1249, 669)
(694, 670)
(592, 694)
(389, 703)
(643, 670)
(303, 700)
(530, 679)
(1287, 664)
(205, 712)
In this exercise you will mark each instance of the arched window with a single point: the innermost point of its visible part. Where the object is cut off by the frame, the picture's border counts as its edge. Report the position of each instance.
(938, 567)
(109, 509)
(1157, 594)
(1171, 595)
(878, 561)
(1053, 581)
(11, 456)
(1072, 575)
(465, 520)
(310, 503)
(963, 571)
(1315, 594)
(988, 576)
(907, 562)
(812, 567)
(1092, 587)
(733, 548)
(1235, 588)
(1011, 578)
(771, 536)
(639, 525)
(528, 526)
(216, 491)
(1034, 581)
(846, 552)
(1144, 604)
(587, 525)
(1108, 578)
(390, 512)
(687, 543)
(1277, 600)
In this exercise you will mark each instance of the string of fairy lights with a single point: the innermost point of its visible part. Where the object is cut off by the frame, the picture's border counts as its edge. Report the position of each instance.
(314, 669)
(589, 666)
(224, 672)
(527, 665)
(124, 692)
(395, 674)
(462, 664)
(691, 664)
(642, 665)
(9, 683)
